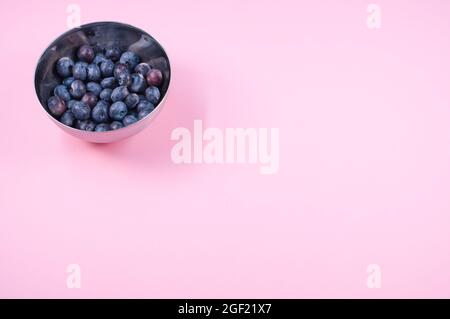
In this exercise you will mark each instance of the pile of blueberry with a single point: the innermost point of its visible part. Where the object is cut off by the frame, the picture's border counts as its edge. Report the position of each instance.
(104, 91)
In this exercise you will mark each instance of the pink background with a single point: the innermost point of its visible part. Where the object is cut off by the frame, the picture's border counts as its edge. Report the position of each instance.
(364, 171)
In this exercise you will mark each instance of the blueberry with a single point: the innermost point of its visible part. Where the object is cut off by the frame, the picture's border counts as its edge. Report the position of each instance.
(113, 53)
(138, 83)
(132, 100)
(70, 103)
(154, 77)
(77, 89)
(90, 99)
(128, 120)
(119, 93)
(81, 111)
(152, 94)
(100, 112)
(56, 106)
(143, 113)
(121, 74)
(144, 105)
(94, 87)
(130, 59)
(64, 67)
(107, 68)
(80, 71)
(108, 83)
(93, 72)
(62, 92)
(142, 68)
(118, 110)
(86, 53)
(115, 125)
(67, 118)
(68, 81)
(105, 94)
(102, 127)
(85, 125)
(99, 58)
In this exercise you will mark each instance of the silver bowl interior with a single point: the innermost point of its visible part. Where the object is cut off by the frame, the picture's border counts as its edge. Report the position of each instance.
(99, 35)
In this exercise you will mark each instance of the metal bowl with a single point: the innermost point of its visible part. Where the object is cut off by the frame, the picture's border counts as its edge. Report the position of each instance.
(101, 35)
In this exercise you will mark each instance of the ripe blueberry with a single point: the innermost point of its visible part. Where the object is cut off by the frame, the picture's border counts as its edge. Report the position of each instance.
(99, 58)
(85, 125)
(115, 125)
(119, 93)
(121, 74)
(80, 71)
(102, 127)
(94, 87)
(113, 53)
(100, 112)
(144, 105)
(105, 94)
(93, 72)
(138, 83)
(118, 110)
(152, 94)
(70, 103)
(64, 67)
(130, 59)
(68, 81)
(56, 106)
(142, 68)
(108, 83)
(77, 89)
(107, 68)
(143, 113)
(62, 92)
(129, 119)
(80, 110)
(132, 100)
(67, 118)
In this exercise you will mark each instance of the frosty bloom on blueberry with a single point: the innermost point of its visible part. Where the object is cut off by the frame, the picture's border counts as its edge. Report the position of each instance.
(93, 79)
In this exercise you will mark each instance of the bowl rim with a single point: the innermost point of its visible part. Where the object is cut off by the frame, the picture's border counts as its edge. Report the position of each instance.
(80, 27)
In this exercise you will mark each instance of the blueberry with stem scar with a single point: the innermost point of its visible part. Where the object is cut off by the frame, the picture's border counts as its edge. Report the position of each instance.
(118, 111)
